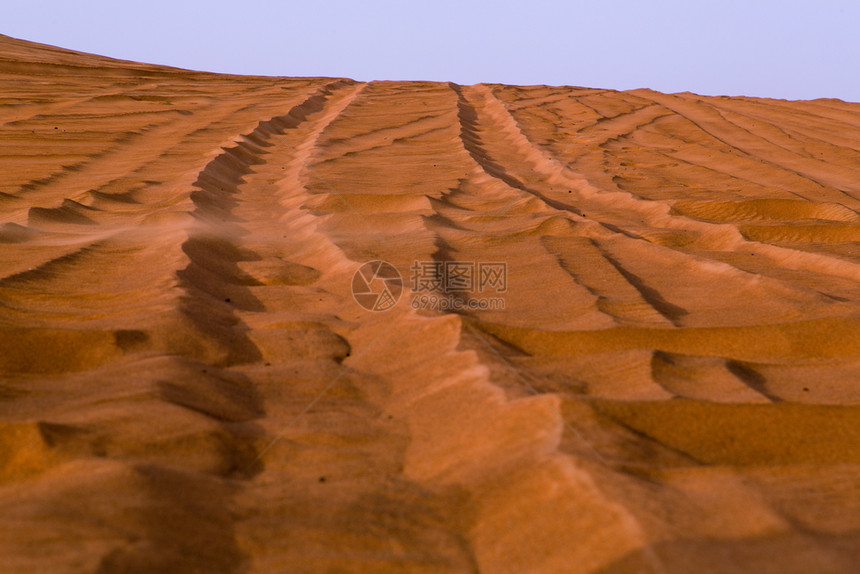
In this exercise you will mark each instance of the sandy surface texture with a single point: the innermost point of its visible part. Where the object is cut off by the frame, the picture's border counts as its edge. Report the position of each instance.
(626, 336)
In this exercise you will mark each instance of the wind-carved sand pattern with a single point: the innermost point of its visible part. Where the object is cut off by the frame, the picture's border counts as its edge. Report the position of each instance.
(187, 385)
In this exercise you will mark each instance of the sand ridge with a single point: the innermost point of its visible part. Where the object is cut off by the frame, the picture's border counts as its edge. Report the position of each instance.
(188, 385)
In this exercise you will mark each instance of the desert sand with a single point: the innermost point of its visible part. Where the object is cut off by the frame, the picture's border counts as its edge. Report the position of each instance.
(189, 385)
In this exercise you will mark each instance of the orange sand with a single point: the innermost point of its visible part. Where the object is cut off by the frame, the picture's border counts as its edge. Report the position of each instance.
(189, 386)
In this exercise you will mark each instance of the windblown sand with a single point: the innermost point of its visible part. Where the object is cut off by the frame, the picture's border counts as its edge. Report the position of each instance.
(188, 384)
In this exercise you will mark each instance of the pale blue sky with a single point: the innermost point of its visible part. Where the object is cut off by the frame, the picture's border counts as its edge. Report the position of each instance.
(785, 49)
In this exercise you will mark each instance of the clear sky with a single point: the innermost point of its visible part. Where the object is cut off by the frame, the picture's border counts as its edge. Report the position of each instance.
(772, 48)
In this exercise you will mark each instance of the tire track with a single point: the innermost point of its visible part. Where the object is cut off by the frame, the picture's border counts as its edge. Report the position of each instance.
(188, 385)
(621, 210)
(744, 141)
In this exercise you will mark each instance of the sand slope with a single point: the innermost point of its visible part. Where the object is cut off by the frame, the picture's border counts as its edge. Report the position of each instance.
(188, 384)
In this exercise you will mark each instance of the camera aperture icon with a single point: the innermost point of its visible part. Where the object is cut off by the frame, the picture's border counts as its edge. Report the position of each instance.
(377, 286)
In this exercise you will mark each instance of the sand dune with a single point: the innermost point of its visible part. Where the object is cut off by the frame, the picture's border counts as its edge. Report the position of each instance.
(666, 382)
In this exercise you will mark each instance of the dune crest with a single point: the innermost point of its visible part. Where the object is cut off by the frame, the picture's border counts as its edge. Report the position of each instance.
(625, 335)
